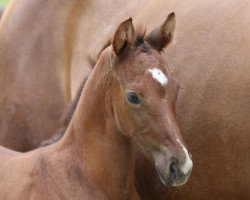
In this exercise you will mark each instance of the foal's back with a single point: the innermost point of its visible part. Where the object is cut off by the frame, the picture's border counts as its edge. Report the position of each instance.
(15, 173)
(6, 154)
(43, 174)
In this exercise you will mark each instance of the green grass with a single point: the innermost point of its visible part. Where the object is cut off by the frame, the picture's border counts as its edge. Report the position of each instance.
(4, 2)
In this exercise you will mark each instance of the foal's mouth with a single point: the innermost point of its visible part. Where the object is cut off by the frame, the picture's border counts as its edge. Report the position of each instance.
(164, 179)
(174, 179)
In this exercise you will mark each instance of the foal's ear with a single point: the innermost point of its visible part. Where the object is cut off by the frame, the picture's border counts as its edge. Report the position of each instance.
(124, 36)
(162, 36)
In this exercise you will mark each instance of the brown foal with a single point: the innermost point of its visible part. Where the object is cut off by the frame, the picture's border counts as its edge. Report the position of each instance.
(128, 99)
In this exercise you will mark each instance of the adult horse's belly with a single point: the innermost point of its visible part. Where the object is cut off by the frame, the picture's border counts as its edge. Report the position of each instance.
(31, 90)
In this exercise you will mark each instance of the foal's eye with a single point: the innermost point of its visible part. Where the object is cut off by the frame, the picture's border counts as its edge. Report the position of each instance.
(133, 98)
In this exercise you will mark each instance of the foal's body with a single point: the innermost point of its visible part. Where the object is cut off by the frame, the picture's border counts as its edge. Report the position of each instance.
(56, 172)
(91, 162)
(36, 172)
(39, 180)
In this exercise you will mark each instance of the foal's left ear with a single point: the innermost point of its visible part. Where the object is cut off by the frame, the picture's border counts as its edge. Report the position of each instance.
(162, 36)
(124, 36)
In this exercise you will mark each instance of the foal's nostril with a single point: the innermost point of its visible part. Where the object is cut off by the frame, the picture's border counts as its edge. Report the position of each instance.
(174, 169)
(190, 155)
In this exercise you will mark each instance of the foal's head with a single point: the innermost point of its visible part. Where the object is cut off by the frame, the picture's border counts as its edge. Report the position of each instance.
(143, 99)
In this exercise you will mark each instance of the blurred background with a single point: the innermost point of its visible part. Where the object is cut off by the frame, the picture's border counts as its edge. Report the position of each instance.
(3, 3)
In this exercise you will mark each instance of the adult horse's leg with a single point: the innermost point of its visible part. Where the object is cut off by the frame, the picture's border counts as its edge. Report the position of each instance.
(1, 12)
(32, 94)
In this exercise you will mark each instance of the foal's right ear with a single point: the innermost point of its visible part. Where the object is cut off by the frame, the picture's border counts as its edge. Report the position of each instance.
(124, 36)
(162, 36)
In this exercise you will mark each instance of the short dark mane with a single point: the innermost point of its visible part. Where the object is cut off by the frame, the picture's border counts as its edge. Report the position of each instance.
(140, 36)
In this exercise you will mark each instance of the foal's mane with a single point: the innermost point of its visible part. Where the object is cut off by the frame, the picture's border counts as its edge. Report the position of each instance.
(70, 109)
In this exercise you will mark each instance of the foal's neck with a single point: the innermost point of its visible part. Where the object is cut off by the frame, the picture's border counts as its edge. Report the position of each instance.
(106, 156)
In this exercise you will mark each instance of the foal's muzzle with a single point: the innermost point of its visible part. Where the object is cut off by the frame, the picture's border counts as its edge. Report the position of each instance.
(171, 173)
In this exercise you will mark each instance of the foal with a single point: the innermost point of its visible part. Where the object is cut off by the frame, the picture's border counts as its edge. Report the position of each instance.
(128, 99)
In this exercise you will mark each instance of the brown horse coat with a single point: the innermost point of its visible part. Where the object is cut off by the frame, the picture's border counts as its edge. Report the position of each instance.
(128, 100)
(209, 57)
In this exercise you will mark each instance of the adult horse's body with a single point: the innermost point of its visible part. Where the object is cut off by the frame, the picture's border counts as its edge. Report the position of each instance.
(210, 59)
(95, 159)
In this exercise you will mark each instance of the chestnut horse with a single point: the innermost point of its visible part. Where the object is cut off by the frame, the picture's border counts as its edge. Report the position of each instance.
(43, 59)
(128, 99)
